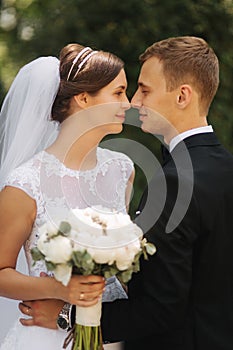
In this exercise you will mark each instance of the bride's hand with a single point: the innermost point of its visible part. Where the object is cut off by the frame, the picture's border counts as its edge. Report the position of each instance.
(85, 290)
(82, 291)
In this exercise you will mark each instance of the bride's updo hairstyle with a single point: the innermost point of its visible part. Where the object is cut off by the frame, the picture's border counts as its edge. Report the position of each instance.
(82, 70)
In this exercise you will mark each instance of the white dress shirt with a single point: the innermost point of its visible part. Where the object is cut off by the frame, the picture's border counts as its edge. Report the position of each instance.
(185, 134)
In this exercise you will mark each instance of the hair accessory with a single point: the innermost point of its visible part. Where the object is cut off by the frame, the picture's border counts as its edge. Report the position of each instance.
(82, 62)
(76, 59)
(81, 53)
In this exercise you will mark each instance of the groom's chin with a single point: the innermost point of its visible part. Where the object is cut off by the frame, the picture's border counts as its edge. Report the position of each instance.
(145, 129)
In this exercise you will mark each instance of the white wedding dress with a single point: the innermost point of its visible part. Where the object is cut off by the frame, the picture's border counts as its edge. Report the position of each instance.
(55, 187)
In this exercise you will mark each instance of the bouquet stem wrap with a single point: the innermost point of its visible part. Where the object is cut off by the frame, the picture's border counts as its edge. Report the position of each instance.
(87, 333)
(89, 316)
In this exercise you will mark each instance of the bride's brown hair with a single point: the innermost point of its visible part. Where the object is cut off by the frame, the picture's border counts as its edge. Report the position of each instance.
(97, 72)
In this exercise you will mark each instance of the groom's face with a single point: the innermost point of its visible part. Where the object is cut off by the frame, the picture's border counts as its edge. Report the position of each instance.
(155, 104)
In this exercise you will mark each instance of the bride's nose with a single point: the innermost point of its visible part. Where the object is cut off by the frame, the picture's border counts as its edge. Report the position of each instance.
(126, 105)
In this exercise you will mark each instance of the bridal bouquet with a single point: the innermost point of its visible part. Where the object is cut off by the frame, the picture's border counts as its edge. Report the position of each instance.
(91, 241)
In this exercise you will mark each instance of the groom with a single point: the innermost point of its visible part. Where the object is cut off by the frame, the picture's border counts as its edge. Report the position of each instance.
(182, 298)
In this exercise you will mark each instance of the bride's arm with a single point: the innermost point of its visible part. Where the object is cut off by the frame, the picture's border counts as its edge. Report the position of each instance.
(17, 215)
(44, 312)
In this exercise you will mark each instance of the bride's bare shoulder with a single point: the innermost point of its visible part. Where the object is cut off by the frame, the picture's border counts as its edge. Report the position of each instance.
(15, 201)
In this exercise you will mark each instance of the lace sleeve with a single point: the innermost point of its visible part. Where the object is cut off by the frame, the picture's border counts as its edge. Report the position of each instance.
(126, 164)
(25, 178)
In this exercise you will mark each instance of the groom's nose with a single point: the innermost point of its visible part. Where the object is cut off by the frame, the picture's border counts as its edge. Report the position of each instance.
(136, 101)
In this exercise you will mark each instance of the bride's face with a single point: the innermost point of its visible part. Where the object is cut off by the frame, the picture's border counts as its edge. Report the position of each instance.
(107, 108)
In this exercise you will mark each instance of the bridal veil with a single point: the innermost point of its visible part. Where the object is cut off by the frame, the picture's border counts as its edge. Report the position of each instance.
(25, 124)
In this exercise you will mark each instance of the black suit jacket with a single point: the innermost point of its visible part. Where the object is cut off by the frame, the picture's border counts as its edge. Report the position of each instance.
(182, 298)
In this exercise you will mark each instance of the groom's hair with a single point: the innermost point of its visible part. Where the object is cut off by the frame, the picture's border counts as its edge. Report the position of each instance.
(187, 60)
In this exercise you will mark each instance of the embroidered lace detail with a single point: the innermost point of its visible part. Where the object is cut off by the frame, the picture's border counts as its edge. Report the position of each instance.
(55, 187)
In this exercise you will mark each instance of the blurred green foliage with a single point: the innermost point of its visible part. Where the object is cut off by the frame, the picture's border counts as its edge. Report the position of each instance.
(32, 28)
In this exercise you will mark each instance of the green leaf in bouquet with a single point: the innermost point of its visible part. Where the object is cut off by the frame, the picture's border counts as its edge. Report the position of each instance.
(109, 271)
(82, 260)
(150, 248)
(125, 276)
(98, 269)
(77, 257)
(64, 228)
(87, 264)
(50, 266)
(147, 248)
(36, 254)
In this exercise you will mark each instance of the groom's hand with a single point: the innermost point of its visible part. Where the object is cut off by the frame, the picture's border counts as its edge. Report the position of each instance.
(86, 291)
(41, 313)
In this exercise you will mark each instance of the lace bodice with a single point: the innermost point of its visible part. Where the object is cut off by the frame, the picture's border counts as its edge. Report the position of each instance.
(55, 187)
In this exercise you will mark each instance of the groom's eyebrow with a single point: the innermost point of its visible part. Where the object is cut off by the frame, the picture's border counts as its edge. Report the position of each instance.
(140, 84)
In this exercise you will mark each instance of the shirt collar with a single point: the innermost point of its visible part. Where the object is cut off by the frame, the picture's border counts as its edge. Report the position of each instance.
(185, 134)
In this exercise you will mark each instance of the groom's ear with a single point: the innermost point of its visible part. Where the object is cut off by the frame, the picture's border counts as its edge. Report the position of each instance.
(184, 96)
(81, 100)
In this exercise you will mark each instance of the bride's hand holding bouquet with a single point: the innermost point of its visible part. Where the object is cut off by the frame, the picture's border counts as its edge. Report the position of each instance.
(92, 242)
(84, 290)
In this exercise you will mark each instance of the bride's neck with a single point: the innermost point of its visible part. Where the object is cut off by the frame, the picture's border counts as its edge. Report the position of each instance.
(76, 150)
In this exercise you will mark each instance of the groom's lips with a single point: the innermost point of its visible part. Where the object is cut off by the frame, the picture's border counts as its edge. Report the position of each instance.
(142, 117)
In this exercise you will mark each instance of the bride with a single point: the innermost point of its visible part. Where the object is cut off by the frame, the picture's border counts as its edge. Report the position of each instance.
(52, 121)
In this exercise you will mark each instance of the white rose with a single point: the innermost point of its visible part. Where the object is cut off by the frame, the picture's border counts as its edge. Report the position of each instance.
(52, 228)
(103, 253)
(123, 261)
(49, 228)
(95, 218)
(134, 247)
(81, 240)
(119, 231)
(42, 241)
(63, 273)
(125, 255)
(114, 219)
(84, 221)
(57, 250)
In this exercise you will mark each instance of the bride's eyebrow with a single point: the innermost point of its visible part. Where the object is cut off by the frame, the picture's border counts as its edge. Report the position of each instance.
(123, 87)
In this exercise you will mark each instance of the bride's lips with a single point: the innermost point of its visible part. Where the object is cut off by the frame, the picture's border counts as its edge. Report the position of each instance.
(121, 117)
